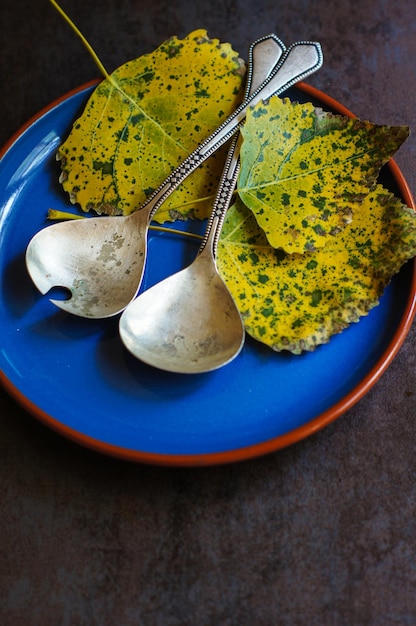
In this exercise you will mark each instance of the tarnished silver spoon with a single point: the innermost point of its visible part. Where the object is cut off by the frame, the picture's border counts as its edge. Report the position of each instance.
(101, 260)
(189, 322)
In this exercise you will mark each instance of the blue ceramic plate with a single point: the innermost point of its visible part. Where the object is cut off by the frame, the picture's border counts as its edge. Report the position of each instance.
(75, 375)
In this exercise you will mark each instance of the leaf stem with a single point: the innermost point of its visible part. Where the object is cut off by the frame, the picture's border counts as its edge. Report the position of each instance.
(175, 231)
(83, 39)
(55, 214)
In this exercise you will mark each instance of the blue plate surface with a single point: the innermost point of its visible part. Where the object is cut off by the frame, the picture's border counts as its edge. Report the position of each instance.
(76, 376)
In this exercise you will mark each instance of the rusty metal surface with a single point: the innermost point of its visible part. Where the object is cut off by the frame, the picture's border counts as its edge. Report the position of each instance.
(321, 533)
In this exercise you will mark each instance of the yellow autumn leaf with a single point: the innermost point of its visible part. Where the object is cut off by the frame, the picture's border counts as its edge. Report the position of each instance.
(297, 301)
(143, 121)
(304, 169)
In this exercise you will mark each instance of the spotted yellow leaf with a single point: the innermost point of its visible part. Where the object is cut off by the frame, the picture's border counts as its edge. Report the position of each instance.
(144, 119)
(304, 169)
(297, 301)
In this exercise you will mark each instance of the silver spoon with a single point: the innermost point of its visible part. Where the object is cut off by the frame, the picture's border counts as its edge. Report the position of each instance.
(101, 260)
(189, 322)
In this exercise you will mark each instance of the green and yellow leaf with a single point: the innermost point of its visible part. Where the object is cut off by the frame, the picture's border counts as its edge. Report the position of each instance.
(303, 170)
(144, 119)
(297, 301)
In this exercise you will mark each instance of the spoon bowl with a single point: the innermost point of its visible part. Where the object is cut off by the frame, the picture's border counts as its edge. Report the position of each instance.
(99, 264)
(187, 323)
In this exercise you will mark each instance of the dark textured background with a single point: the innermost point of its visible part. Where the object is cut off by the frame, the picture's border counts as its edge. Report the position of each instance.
(322, 533)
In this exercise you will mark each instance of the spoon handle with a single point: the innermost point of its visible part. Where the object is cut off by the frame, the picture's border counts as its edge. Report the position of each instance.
(300, 60)
(222, 199)
(263, 56)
